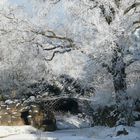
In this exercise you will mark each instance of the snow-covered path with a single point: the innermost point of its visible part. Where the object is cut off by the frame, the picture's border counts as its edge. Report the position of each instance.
(94, 133)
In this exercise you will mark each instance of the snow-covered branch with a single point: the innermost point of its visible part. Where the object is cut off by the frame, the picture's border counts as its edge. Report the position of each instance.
(133, 6)
(131, 62)
(57, 52)
(54, 36)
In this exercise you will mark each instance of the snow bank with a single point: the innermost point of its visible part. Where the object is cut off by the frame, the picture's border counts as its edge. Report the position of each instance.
(72, 122)
(95, 133)
(15, 130)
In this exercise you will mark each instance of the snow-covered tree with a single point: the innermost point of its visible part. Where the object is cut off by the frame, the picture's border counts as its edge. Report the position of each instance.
(112, 27)
(105, 32)
(26, 47)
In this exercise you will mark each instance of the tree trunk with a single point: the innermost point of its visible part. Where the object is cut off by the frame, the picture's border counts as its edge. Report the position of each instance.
(118, 72)
(124, 103)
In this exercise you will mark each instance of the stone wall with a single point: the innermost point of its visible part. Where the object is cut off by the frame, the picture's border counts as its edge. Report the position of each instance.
(41, 112)
(10, 114)
(17, 113)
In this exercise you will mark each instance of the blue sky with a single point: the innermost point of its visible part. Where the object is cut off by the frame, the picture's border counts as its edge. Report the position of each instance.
(16, 1)
(57, 15)
(24, 3)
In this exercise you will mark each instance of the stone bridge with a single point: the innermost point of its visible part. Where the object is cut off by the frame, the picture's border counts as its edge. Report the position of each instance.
(41, 112)
(67, 104)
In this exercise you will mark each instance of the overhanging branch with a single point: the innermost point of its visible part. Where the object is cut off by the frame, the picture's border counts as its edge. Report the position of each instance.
(136, 22)
(134, 5)
(56, 52)
(48, 49)
(131, 62)
(136, 28)
(54, 36)
(51, 35)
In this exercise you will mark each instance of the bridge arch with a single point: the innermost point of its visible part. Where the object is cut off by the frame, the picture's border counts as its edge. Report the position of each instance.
(66, 105)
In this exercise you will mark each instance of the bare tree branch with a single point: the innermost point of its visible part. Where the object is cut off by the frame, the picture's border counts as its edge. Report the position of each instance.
(56, 52)
(56, 1)
(136, 22)
(138, 27)
(48, 49)
(134, 5)
(54, 36)
(131, 62)
(66, 48)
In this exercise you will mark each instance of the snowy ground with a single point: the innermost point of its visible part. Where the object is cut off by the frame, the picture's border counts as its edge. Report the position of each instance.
(69, 121)
(94, 133)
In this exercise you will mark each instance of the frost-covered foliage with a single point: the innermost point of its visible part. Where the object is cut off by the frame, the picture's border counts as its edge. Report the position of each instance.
(98, 28)
(106, 27)
(62, 86)
(100, 40)
(25, 48)
(112, 43)
(74, 87)
(20, 62)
